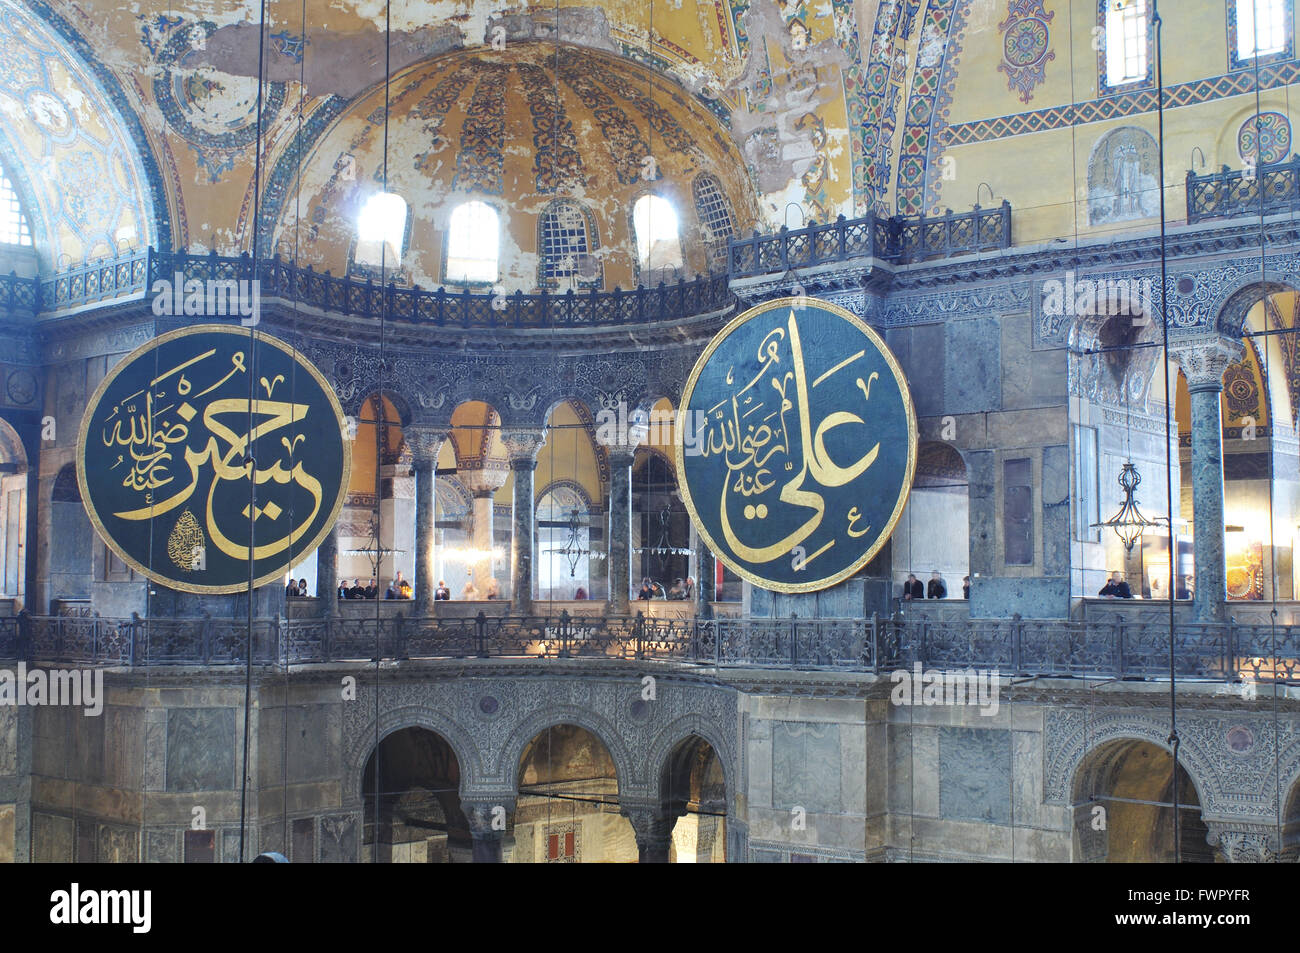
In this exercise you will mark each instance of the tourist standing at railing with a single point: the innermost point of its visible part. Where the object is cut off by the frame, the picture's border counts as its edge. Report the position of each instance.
(291, 590)
(357, 591)
(302, 588)
(913, 588)
(492, 590)
(442, 593)
(343, 589)
(937, 589)
(690, 587)
(580, 594)
(1116, 587)
(965, 587)
(470, 591)
(372, 590)
(647, 589)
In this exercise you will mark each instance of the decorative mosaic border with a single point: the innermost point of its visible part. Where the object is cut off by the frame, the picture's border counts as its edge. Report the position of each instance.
(1120, 106)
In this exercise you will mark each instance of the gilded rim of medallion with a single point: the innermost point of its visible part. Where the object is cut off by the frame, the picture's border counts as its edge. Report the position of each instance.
(679, 445)
(301, 361)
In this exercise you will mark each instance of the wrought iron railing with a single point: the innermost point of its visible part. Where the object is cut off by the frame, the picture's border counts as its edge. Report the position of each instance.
(138, 273)
(898, 239)
(1012, 647)
(1250, 191)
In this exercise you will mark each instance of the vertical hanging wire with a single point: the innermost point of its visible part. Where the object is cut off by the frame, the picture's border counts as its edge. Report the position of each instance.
(1272, 517)
(381, 424)
(248, 446)
(1158, 25)
(293, 384)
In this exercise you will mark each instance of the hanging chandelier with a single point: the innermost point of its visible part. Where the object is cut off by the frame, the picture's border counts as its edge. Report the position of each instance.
(573, 550)
(1128, 523)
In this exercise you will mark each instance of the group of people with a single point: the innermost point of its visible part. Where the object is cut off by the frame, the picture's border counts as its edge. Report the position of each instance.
(399, 588)
(914, 589)
(296, 590)
(682, 589)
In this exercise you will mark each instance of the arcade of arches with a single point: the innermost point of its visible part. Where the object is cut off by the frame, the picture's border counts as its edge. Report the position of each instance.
(504, 257)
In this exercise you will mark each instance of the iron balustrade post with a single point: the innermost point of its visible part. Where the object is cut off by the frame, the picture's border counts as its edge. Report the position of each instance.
(138, 653)
(874, 647)
(480, 629)
(1017, 635)
(564, 634)
(1229, 645)
(638, 630)
(399, 637)
(1121, 645)
(794, 639)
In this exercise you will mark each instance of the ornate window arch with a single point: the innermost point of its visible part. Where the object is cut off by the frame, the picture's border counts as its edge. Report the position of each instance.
(567, 238)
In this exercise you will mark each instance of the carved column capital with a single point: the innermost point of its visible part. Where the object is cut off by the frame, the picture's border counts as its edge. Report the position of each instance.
(484, 480)
(522, 446)
(1244, 843)
(425, 444)
(1204, 357)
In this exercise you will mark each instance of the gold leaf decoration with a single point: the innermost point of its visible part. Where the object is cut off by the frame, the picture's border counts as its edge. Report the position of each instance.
(185, 540)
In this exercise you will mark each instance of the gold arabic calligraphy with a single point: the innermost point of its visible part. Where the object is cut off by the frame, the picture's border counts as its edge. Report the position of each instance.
(753, 431)
(148, 429)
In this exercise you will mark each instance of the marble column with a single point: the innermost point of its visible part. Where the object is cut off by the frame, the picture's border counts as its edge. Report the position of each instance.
(705, 577)
(425, 446)
(620, 528)
(482, 483)
(327, 572)
(522, 447)
(487, 818)
(1203, 359)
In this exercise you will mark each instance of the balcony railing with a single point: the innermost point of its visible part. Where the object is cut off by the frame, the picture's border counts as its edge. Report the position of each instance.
(1260, 191)
(898, 240)
(1221, 652)
(137, 273)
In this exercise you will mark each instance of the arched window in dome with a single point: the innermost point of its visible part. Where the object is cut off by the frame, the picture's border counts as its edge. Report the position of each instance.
(1126, 54)
(715, 215)
(14, 229)
(473, 244)
(566, 238)
(658, 240)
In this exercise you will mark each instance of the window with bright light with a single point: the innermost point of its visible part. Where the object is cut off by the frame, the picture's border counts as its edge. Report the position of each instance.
(473, 243)
(566, 247)
(1261, 27)
(658, 241)
(381, 231)
(1127, 41)
(13, 223)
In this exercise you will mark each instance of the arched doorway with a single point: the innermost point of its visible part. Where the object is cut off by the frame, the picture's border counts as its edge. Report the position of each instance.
(481, 570)
(571, 483)
(1123, 807)
(13, 517)
(661, 527)
(413, 812)
(567, 810)
(693, 789)
(933, 534)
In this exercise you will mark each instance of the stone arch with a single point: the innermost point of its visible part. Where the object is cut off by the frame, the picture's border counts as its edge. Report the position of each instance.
(352, 406)
(363, 746)
(1105, 769)
(83, 159)
(673, 734)
(1291, 822)
(1072, 733)
(512, 750)
(1231, 306)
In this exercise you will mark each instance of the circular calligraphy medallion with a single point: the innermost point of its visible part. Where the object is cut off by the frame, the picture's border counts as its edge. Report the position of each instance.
(161, 459)
(796, 444)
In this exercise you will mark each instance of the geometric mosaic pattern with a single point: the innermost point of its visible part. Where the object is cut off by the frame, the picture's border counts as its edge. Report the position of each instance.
(1025, 38)
(1121, 105)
